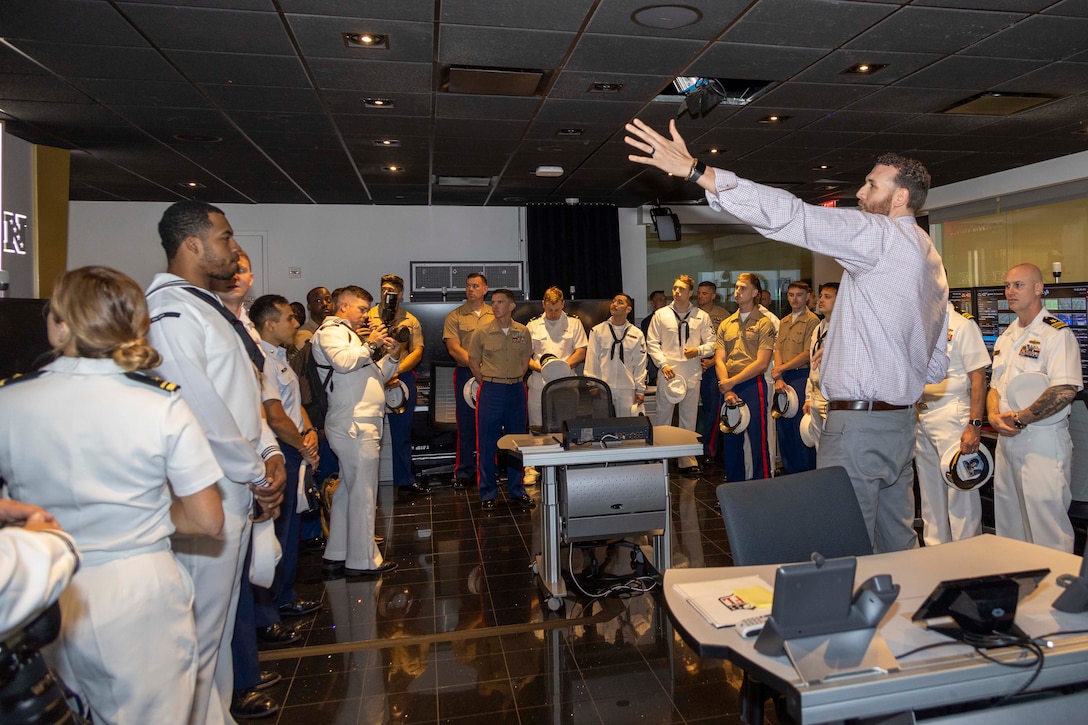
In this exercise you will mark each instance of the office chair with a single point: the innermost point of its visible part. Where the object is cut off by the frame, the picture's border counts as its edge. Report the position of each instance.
(784, 520)
(574, 398)
(1078, 478)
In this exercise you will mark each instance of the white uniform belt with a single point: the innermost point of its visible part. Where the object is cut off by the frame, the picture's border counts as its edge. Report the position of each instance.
(94, 558)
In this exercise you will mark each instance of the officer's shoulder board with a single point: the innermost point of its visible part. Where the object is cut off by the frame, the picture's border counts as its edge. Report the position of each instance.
(1055, 323)
(20, 378)
(967, 315)
(163, 385)
(572, 316)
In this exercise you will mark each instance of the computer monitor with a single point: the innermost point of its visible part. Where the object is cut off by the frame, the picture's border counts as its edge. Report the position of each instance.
(963, 299)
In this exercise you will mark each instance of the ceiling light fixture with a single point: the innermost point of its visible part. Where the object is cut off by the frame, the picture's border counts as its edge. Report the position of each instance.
(822, 167)
(365, 40)
(606, 88)
(197, 138)
(379, 102)
(998, 104)
(773, 119)
(393, 169)
(548, 171)
(191, 184)
(714, 151)
(863, 69)
(569, 132)
(387, 143)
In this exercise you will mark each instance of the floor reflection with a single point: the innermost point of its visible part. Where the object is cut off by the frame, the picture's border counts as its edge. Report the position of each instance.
(460, 632)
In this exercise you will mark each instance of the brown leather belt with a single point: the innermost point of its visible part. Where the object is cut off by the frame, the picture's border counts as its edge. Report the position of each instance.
(866, 405)
(504, 381)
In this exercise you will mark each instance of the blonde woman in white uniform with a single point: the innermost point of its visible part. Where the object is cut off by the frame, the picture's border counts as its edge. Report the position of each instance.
(94, 441)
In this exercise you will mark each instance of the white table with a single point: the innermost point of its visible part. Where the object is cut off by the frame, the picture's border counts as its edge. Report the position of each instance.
(932, 678)
(669, 442)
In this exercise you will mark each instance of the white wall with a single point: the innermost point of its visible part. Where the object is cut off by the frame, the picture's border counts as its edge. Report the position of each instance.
(333, 244)
(1033, 176)
(16, 178)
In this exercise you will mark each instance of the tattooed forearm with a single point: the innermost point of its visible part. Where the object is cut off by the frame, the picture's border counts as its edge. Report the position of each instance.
(1051, 401)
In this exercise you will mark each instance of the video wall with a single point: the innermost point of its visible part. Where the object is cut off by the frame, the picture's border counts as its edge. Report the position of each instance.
(1067, 302)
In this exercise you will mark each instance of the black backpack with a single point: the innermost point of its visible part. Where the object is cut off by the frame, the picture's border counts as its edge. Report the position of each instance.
(314, 381)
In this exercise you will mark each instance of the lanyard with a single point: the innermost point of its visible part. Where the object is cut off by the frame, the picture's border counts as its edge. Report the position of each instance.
(616, 341)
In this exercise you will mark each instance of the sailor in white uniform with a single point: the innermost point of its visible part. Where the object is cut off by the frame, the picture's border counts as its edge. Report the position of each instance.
(553, 333)
(128, 643)
(617, 355)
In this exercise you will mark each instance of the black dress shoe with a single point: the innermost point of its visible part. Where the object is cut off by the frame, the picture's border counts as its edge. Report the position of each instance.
(415, 489)
(488, 504)
(385, 568)
(332, 566)
(315, 544)
(299, 608)
(461, 484)
(690, 471)
(278, 633)
(524, 500)
(268, 679)
(252, 705)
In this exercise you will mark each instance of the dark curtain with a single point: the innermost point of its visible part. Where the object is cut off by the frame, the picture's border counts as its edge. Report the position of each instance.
(574, 244)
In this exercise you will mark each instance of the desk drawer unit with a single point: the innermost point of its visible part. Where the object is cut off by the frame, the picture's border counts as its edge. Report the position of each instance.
(619, 500)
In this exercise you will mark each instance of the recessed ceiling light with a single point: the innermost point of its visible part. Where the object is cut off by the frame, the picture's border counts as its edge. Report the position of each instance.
(548, 171)
(393, 169)
(822, 167)
(386, 142)
(606, 88)
(378, 102)
(569, 132)
(191, 185)
(829, 187)
(773, 119)
(366, 40)
(714, 151)
(197, 138)
(864, 69)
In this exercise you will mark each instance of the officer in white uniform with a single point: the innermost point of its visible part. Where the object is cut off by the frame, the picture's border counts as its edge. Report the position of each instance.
(128, 643)
(353, 426)
(1034, 451)
(216, 366)
(679, 336)
(617, 355)
(815, 402)
(950, 413)
(553, 333)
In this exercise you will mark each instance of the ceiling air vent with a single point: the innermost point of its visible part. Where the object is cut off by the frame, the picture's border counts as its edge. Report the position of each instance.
(999, 104)
(463, 180)
(493, 81)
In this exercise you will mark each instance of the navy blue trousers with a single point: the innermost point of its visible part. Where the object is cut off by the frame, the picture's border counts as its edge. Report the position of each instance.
(500, 409)
(754, 393)
(796, 456)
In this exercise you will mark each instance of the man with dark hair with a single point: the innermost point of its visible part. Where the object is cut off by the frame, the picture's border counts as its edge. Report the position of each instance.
(880, 352)
(319, 303)
(791, 366)
(400, 422)
(706, 298)
(210, 355)
(498, 354)
(815, 402)
(617, 355)
(458, 328)
(353, 426)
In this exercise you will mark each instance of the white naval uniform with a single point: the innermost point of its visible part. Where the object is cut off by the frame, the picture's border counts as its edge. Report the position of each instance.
(1031, 476)
(665, 343)
(128, 642)
(626, 374)
(202, 354)
(948, 514)
(560, 338)
(353, 426)
(35, 567)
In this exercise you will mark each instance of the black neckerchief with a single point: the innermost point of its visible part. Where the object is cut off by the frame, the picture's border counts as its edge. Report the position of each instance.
(254, 352)
(682, 324)
(616, 341)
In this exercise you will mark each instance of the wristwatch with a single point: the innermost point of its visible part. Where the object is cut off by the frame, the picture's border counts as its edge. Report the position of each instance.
(1017, 422)
(698, 168)
(976, 423)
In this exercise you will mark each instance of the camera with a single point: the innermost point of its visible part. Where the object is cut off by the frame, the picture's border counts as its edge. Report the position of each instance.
(400, 333)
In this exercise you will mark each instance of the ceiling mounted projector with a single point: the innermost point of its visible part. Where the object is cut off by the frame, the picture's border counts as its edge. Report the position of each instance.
(549, 171)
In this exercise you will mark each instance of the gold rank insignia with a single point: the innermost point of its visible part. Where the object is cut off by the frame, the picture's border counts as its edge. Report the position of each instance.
(163, 385)
(20, 378)
(1055, 323)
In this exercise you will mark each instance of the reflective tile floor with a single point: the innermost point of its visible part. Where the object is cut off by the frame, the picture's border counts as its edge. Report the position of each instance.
(460, 633)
